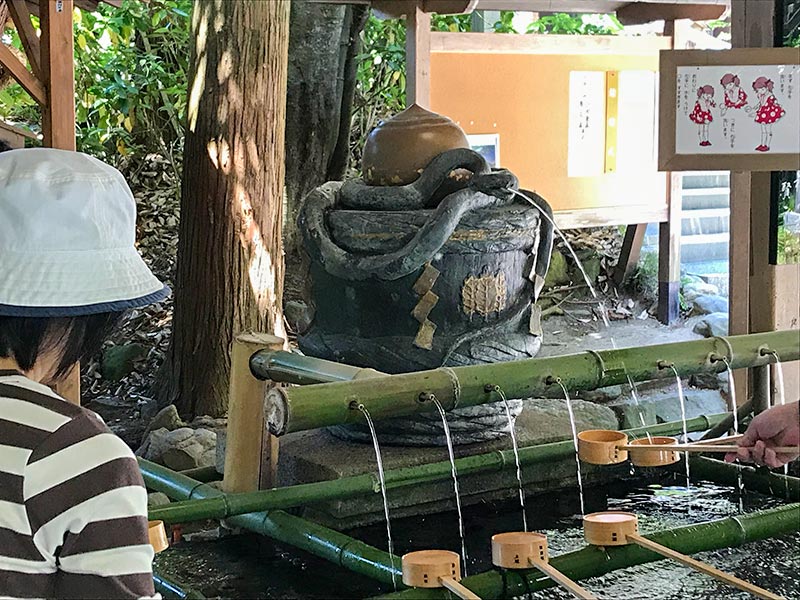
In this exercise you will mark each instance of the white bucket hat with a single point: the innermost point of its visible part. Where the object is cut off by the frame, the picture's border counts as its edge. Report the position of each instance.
(67, 233)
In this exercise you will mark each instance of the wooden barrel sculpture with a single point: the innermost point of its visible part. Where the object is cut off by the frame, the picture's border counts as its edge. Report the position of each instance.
(443, 270)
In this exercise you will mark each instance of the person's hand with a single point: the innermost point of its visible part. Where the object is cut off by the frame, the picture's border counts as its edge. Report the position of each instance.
(777, 426)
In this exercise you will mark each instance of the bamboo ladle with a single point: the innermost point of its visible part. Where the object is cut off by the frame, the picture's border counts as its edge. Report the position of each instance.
(608, 447)
(435, 569)
(522, 549)
(618, 528)
(157, 535)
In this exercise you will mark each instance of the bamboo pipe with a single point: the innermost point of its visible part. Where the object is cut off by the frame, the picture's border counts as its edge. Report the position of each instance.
(576, 590)
(619, 528)
(592, 561)
(216, 506)
(758, 480)
(325, 543)
(314, 406)
(172, 589)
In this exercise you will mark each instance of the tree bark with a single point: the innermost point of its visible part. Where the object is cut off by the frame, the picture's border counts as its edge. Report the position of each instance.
(230, 266)
(323, 48)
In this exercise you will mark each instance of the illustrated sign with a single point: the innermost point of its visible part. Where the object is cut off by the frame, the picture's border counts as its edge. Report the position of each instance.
(738, 109)
(733, 110)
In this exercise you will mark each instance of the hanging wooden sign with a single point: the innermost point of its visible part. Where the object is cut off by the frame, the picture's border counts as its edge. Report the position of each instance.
(735, 110)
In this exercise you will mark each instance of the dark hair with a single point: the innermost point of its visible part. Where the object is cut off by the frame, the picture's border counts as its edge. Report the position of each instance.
(5, 146)
(73, 339)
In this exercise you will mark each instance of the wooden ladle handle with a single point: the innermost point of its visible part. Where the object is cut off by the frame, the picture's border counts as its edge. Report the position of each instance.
(458, 589)
(564, 581)
(703, 567)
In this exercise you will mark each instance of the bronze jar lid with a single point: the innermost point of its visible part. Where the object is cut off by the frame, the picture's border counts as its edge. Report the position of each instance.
(398, 149)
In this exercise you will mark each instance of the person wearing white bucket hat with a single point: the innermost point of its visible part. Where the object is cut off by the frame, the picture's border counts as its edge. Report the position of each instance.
(73, 507)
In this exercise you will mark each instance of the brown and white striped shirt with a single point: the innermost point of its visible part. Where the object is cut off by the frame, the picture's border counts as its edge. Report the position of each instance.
(73, 507)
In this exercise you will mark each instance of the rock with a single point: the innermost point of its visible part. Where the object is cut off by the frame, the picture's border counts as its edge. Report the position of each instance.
(181, 449)
(118, 361)
(592, 266)
(705, 381)
(699, 288)
(602, 394)
(715, 324)
(558, 272)
(549, 419)
(219, 459)
(704, 305)
(298, 315)
(167, 418)
(157, 499)
(206, 422)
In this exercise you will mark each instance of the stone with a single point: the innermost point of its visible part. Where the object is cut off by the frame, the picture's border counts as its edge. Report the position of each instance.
(119, 361)
(181, 449)
(712, 325)
(157, 499)
(219, 458)
(663, 406)
(547, 420)
(591, 265)
(601, 394)
(705, 304)
(167, 418)
(298, 315)
(699, 288)
(206, 422)
(706, 381)
(558, 273)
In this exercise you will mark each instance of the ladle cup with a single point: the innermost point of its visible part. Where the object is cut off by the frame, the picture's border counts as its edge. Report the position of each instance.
(522, 549)
(619, 528)
(435, 569)
(157, 535)
(609, 447)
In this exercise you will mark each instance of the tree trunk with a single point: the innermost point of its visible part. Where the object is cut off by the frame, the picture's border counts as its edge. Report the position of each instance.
(230, 265)
(323, 46)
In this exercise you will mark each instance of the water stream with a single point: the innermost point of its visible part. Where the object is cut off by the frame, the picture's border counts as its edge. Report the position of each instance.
(379, 460)
(579, 264)
(511, 428)
(575, 442)
(734, 412)
(453, 470)
(781, 398)
(682, 400)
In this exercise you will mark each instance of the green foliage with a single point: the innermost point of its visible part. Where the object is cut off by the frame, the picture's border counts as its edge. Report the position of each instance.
(788, 247)
(452, 23)
(506, 22)
(564, 24)
(643, 281)
(131, 69)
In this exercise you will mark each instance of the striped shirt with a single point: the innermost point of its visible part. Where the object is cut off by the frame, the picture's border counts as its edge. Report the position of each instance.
(73, 507)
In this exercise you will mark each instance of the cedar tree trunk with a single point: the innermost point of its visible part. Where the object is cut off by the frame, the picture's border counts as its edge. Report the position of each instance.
(230, 259)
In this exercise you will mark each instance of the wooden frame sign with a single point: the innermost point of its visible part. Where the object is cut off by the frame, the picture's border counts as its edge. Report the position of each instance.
(736, 110)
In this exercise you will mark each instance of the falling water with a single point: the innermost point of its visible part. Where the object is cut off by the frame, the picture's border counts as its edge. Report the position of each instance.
(560, 233)
(379, 460)
(635, 397)
(453, 470)
(781, 400)
(683, 421)
(516, 457)
(574, 441)
(734, 412)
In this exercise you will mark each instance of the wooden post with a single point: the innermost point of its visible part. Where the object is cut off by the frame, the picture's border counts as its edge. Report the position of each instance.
(669, 253)
(251, 454)
(669, 232)
(629, 254)
(58, 114)
(418, 57)
(30, 42)
(752, 26)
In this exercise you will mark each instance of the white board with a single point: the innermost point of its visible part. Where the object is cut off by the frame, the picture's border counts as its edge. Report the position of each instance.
(636, 122)
(587, 124)
(742, 126)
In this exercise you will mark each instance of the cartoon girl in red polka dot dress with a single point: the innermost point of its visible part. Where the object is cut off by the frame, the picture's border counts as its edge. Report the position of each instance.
(735, 96)
(767, 112)
(702, 112)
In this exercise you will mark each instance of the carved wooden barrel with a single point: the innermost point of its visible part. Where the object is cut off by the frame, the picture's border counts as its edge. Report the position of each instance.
(451, 283)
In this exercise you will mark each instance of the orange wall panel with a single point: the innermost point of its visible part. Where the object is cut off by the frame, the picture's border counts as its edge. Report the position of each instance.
(525, 99)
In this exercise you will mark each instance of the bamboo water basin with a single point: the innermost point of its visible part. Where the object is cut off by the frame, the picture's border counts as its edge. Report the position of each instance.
(607, 447)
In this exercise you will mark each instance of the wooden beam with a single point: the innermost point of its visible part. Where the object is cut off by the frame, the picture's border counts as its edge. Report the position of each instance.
(629, 254)
(485, 43)
(30, 41)
(637, 13)
(21, 74)
(418, 57)
(669, 254)
(58, 118)
(609, 215)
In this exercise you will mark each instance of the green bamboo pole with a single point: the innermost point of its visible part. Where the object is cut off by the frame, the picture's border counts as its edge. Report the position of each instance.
(203, 474)
(172, 589)
(326, 543)
(290, 367)
(758, 480)
(313, 406)
(224, 506)
(592, 561)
